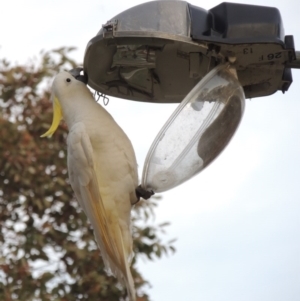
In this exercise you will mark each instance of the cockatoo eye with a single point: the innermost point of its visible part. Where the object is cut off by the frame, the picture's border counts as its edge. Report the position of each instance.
(68, 80)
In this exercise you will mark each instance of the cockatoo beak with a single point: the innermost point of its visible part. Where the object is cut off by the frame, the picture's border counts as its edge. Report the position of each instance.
(79, 74)
(57, 116)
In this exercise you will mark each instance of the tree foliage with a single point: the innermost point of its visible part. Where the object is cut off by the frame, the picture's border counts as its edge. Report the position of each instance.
(47, 247)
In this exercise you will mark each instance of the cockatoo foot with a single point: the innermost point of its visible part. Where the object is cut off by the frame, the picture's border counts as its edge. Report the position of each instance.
(142, 192)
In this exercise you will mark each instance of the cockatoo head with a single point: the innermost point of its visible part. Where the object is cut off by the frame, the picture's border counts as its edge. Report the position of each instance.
(64, 84)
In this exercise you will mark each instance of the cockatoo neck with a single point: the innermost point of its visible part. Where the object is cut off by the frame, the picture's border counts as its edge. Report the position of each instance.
(78, 107)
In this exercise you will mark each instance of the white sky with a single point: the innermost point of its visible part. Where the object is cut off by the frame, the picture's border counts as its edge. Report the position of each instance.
(237, 223)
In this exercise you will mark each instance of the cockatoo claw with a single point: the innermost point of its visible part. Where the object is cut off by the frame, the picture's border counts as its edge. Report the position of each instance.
(142, 192)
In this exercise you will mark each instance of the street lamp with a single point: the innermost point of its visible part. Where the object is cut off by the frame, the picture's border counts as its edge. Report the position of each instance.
(209, 61)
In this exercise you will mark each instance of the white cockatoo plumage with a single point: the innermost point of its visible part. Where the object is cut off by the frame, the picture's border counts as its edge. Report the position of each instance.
(102, 171)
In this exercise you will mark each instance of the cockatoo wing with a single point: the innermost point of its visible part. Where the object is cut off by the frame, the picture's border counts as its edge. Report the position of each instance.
(85, 183)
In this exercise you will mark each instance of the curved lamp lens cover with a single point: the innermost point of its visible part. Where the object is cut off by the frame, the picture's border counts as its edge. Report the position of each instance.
(197, 131)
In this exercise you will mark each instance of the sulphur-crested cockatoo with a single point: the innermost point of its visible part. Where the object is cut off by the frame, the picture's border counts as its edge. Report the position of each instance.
(102, 170)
